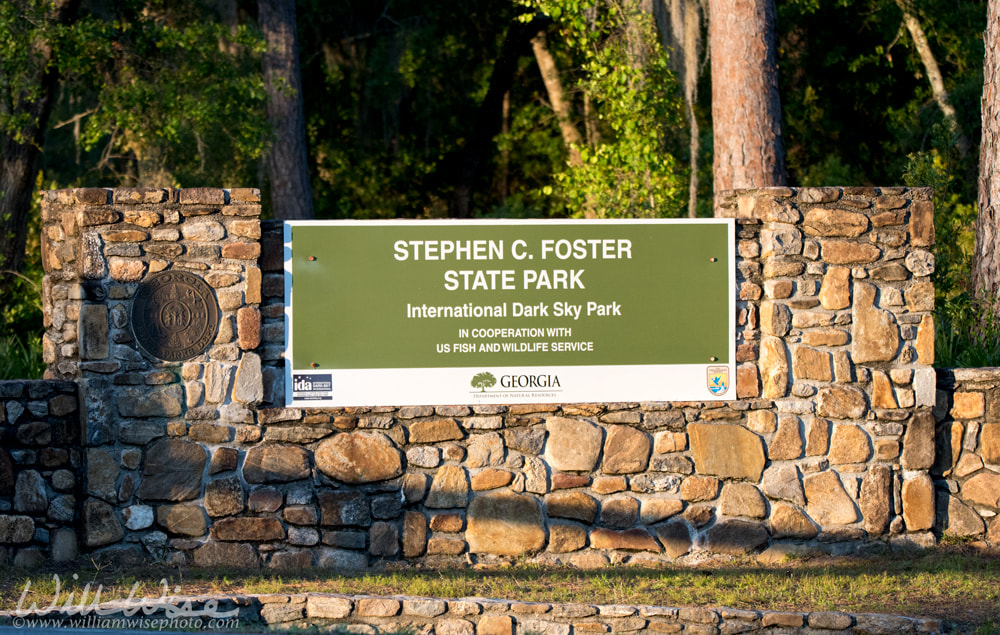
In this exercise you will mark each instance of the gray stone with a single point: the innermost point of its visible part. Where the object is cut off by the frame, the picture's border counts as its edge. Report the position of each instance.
(151, 402)
(63, 545)
(16, 529)
(343, 508)
(423, 456)
(675, 538)
(173, 471)
(918, 442)
(141, 432)
(526, 440)
(62, 508)
(573, 445)
(92, 331)
(100, 524)
(485, 449)
(29, 493)
(226, 554)
(217, 379)
(383, 540)
(536, 476)
(338, 559)
(36, 433)
(328, 608)
(102, 475)
(505, 523)
(249, 385)
(138, 517)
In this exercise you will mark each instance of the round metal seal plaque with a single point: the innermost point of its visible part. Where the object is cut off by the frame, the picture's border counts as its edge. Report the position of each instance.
(174, 316)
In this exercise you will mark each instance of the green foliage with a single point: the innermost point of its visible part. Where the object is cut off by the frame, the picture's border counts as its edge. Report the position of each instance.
(21, 311)
(624, 70)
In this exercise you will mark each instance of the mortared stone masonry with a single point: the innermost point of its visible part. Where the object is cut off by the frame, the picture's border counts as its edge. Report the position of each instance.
(843, 438)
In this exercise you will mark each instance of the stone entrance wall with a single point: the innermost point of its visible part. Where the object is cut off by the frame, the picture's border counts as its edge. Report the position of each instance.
(829, 447)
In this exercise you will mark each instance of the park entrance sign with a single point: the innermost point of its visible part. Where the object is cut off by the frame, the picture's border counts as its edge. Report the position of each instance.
(506, 312)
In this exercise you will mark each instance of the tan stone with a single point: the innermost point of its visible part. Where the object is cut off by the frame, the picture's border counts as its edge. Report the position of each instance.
(773, 367)
(808, 363)
(874, 332)
(276, 463)
(779, 289)
(875, 499)
(823, 221)
(827, 501)
(491, 478)
(627, 540)
(787, 442)
(564, 538)
(666, 441)
(126, 269)
(918, 502)
(186, 520)
(608, 484)
(968, 405)
(447, 523)
(445, 547)
(968, 464)
(775, 318)
(699, 488)
(849, 444)
(924, 343)
(505, 524)
(825, 337)
(259, 529)
(841, 402)
(835, 292)
(817, 436)
(569, 481)
(573, 445)
(726, 450)
(989, 443)
(653, 510)
(626, 450)
(882, 396)
(414, 534)
(619, 512)
(450, 488)
(842, 252)
(359, 457)
(747, 381)
(983, 489)
(920, 296)
(886, 450)
(742, 499)
(435, 431)
(762, 421)
(788, 521)
(811, 319)
(575, 505)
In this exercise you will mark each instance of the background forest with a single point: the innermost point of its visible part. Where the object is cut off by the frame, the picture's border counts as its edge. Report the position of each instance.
(484, 108)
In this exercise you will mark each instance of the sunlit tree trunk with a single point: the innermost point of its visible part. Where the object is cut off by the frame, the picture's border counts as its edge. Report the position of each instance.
(287, 158)
(563, 109)
(746, 109)
(986, 258)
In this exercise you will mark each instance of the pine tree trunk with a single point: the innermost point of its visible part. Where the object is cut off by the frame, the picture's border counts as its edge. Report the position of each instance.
(563, 109)
(986, 258)
(287, 158)
(746, 109)
(19, 157)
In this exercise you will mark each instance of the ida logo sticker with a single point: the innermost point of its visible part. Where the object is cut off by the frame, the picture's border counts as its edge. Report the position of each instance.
(718, 380)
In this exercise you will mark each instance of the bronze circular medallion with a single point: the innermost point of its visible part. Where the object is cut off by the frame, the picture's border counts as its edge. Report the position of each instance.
(175, 316)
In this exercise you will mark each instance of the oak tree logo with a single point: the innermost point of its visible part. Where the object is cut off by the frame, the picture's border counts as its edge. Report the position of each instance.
(484, 380)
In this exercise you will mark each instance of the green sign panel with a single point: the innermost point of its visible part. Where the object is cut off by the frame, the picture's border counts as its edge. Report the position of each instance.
(410, 312)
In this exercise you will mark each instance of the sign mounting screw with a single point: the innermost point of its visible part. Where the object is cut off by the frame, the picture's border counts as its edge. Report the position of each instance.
(312, 258)
(713, 358)
(314, 365)
(713, 260)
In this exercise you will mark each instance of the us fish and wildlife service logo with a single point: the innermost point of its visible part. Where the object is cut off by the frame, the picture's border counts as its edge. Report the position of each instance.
(718, 380)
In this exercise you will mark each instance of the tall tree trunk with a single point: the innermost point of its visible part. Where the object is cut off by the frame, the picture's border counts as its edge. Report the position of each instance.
(20, 154)
(287, 158)
(563, 109)
(680, 26)
(746, 109)
(986, 258)
(470, 162)
(934, 77)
